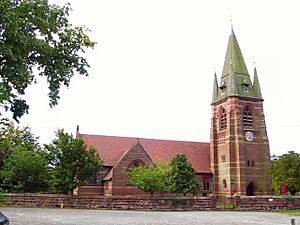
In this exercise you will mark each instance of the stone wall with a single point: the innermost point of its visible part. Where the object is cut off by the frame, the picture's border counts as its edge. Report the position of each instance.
(266, 202)
(113, 202)
(154, 203)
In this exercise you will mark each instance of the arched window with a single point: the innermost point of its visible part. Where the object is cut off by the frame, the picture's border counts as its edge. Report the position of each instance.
(252, 163)
(248, 163)
(246, 88)
(223, 88)
(135, 163)
(223, 119)
(224, 183)
(247, 117)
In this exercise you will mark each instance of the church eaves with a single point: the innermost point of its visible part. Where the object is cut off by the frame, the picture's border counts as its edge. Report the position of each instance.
(235, 79)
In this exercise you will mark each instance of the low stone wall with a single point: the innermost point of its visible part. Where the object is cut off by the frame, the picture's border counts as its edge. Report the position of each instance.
(114, 202)
(266, 202)
(154, 203)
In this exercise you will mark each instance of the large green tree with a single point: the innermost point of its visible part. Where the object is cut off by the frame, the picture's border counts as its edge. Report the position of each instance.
(181, 178)
(25, 171)
(36, 38)
(149, 178)
(12, 137)
(71, 162)
(286, 170)
(23, 167)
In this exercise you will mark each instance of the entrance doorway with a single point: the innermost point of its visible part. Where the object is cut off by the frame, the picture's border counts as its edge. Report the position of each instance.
(251, 188)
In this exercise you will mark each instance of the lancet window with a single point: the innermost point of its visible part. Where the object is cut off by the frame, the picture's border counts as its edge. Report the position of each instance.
(223, 119)
(247, 117)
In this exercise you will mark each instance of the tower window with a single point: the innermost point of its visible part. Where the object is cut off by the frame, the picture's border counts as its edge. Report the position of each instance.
(224, 183)
(250, 163)
(247, 117)
(223, 119)
(246, 88)
(223, 88)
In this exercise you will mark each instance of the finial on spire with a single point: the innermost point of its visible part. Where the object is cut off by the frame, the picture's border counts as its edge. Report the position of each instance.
(231, 24)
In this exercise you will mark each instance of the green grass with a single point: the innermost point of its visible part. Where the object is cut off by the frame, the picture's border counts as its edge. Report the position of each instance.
(295, 212)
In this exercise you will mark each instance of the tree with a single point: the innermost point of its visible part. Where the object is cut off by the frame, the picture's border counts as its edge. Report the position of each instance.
(286, 170)
(37, 37)
(12, 137)
(71, 162)
(22, 164)
(25, 171)
(149, 178)
(181, 178)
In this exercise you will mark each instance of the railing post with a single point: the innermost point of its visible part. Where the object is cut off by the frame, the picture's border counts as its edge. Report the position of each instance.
(293, 222)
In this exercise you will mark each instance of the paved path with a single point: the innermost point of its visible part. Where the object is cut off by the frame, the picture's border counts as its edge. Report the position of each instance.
(42, 216)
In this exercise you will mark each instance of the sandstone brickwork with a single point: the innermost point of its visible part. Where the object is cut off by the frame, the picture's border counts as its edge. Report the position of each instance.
(153, 203)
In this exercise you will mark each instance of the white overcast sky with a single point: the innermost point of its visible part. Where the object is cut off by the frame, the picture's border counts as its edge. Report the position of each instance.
(152, 70)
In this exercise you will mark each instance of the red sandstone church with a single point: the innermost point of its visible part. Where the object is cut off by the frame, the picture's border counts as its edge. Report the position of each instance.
(236, 160)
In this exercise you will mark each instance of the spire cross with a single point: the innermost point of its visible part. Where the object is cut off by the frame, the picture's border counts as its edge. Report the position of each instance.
(231, 24)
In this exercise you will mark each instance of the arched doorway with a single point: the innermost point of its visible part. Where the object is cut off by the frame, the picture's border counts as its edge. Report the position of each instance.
(251, 189)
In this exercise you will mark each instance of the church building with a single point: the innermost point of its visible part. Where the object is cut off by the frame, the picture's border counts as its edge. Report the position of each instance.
(235, 161)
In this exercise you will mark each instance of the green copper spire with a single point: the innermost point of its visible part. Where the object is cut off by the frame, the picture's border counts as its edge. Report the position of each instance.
(234, 56)
(215, 89)
(235, 79)
(256, 85)
(232, 88)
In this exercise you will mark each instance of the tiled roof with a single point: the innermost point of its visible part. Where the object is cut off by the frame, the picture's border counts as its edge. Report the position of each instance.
(111, 149)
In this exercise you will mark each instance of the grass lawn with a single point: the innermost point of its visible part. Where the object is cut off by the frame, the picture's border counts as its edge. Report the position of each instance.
(294, 212)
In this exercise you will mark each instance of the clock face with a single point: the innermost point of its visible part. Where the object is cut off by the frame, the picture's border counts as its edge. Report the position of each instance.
(249, 136)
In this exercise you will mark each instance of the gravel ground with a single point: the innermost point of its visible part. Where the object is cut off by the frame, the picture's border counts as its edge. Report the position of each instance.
(45, 216)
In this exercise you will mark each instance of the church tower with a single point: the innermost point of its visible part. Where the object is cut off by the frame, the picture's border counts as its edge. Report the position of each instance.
(239, 146)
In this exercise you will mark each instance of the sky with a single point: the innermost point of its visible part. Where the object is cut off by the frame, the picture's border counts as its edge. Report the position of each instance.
(152, 69)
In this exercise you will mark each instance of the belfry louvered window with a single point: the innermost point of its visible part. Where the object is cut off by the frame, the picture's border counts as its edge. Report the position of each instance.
(223, 119)
(247, 118)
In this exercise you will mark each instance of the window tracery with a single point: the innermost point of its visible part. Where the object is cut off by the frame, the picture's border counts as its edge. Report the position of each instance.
(223, 119)
(247, 117)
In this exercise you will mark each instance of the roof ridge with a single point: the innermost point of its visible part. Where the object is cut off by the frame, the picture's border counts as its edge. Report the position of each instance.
(155, 139)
